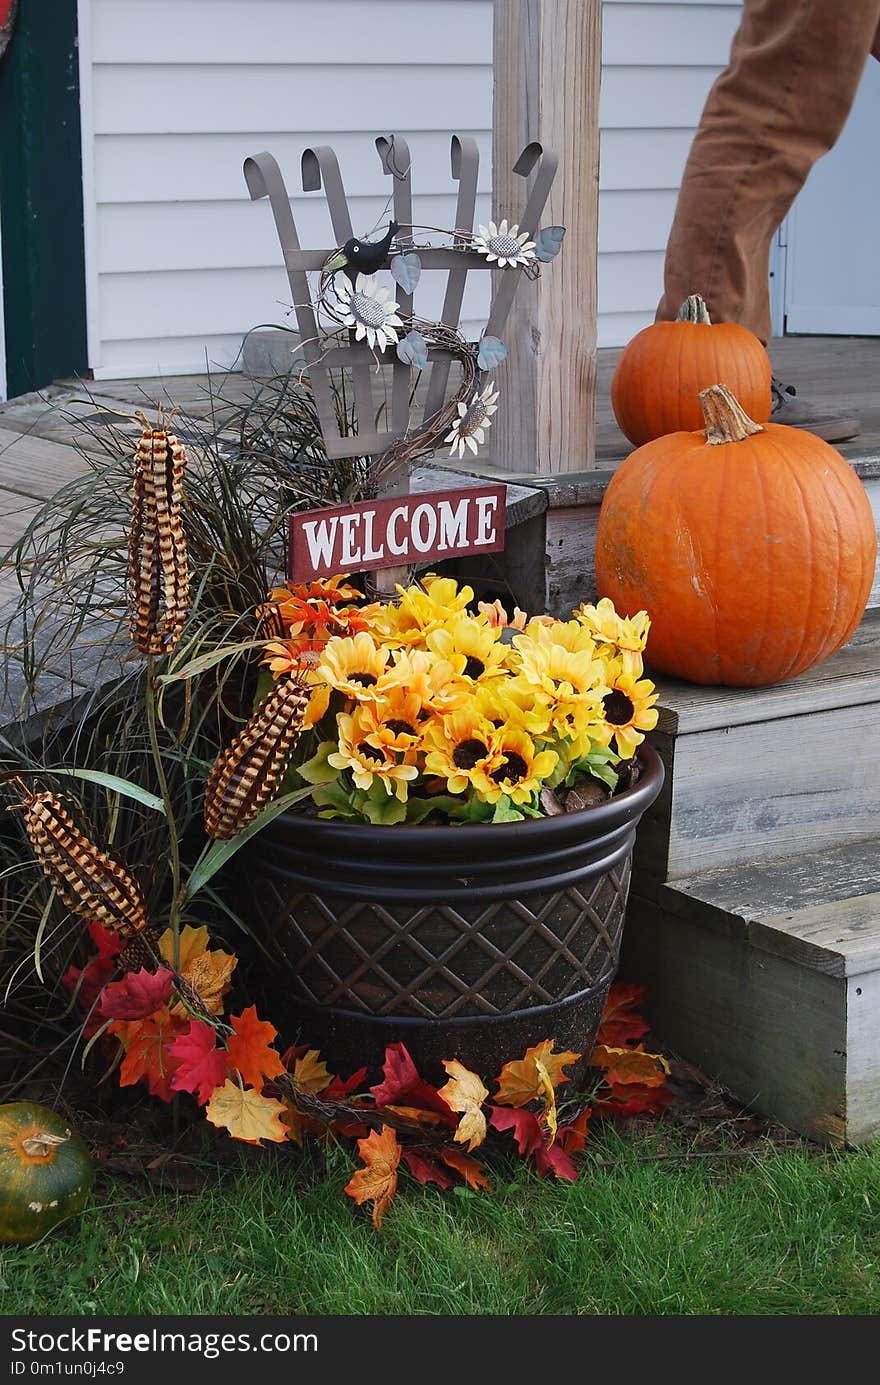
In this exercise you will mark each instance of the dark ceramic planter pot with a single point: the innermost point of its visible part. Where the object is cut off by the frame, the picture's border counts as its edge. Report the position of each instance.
(469, 942)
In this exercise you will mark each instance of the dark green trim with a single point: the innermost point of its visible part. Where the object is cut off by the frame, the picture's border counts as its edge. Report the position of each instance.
(41, 198)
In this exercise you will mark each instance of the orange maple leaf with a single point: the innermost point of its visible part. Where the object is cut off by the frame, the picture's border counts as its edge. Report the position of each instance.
(526, 1080)
(573, 1137)
(250, 1048)
(147, 1044)
(246, 1114)
(465, 1093)
(623, 1065)
(208, 971)
(377, 1181)
(471, 1170)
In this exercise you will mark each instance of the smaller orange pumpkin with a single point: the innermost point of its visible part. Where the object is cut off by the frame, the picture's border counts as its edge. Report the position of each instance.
(46, 1173)
(659, 377)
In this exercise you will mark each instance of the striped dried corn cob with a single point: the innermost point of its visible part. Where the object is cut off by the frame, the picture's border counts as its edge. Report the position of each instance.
(247, 773)
(140, 951)
(91, 882)
(158, 575)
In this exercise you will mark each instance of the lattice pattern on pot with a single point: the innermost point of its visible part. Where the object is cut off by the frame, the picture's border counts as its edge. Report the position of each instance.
(441, 961)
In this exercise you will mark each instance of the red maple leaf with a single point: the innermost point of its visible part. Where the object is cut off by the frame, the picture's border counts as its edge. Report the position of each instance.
(343, 1086)
(637, 1101)
(620, 1022)
(426, 1170)
(554, 1160)
(136, 995)
(148, 1057)
(524, 1124)
(404, 1086)
(250, 1048)
(87, 982)
(201, 1066)
(107, 943)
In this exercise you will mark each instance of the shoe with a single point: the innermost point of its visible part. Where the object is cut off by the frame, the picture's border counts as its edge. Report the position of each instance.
(798, 413)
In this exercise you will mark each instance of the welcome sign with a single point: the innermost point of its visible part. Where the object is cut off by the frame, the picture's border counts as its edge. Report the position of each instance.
(395, 532)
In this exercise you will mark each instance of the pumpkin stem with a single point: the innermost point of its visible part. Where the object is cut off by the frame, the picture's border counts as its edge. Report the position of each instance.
(725, 418)
(41, 1144)
(694, 309)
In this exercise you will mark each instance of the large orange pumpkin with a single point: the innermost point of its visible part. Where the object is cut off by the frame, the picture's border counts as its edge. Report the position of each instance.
(753, 548)
(660, 374)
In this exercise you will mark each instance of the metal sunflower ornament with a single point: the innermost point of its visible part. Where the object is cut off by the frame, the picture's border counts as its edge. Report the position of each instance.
(504, 244)
(370, 310)
(474, 417)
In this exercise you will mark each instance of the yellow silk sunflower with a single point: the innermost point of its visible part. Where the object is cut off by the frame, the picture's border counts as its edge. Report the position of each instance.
(472, 647)
(393, 724)
(353, 665)
(618, 636)
(432, 680)
(434, 601)
(556, 671)
(568, 634)
(460, 749)
(520, 771)
(628, 710)
(503, 700)
(368, 762)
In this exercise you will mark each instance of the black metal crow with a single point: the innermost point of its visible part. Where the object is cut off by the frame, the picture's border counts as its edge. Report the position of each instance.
(363, 256)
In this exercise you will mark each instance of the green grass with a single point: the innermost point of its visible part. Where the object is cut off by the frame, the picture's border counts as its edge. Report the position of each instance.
(780, 1231)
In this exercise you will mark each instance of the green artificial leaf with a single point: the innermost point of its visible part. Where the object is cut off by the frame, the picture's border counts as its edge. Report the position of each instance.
(384, 814)
(490, 353)
(317, 770)
(505, 811)
(417, 809)
(334, 801)
(548, 243)
(218, 853)
(118, 785)
(406, 270)
(602, 764)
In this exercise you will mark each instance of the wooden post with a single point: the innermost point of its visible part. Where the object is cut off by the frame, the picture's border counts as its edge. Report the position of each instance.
(547, 65)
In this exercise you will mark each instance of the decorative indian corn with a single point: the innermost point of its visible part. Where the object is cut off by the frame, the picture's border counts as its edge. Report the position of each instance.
(158, 575)
(90, 881)
(247, 773)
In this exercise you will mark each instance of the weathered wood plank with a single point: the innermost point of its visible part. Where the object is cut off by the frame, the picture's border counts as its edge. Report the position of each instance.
(774, 1033)
(780, 884)
(547, 64)
(777, 788)
(34, 467)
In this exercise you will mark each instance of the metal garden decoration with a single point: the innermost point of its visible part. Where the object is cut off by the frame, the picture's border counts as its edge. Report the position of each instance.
(350, 320)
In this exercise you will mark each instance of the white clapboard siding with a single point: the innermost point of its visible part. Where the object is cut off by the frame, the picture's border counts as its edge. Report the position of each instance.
(177, 93)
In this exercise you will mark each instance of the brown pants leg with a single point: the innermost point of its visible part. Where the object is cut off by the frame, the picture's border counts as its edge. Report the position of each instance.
(794, 70)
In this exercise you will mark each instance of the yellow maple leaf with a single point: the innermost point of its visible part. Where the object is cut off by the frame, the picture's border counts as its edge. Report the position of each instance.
(521, 1082)
(310, 1071)
(207, 970)
(548, 1093)
(622, 1065)
(246, 1114)
(377, 1181)
(464, 1092)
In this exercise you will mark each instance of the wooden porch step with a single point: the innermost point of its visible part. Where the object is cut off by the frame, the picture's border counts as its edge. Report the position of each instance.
(756, 773)
(767, 976)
